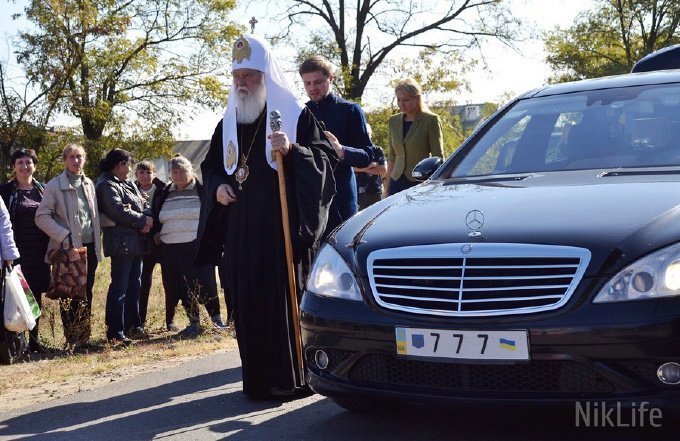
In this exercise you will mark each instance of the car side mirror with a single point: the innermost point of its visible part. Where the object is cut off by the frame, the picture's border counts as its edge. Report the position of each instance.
(424, 169)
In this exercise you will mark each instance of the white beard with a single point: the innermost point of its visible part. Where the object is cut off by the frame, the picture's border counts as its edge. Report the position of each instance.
(250, 105)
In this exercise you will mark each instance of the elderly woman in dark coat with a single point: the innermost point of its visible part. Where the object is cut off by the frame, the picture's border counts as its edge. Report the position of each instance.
(22, 196)
(124, 224)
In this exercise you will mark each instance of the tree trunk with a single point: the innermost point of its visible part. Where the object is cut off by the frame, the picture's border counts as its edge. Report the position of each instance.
(92, 129)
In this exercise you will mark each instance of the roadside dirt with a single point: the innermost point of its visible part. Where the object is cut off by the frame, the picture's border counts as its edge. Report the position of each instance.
(18, 397)
(37, 381)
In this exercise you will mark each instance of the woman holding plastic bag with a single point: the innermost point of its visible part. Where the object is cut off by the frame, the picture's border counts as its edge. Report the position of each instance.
(22, 196)
(11, 343)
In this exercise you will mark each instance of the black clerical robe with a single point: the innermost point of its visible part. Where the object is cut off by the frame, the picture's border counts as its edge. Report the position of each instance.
(250, 233)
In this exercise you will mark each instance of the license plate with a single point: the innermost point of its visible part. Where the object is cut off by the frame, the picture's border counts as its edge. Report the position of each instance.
(469, 345)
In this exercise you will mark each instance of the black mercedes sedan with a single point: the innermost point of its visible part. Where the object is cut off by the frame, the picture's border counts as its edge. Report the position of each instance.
(539, 264)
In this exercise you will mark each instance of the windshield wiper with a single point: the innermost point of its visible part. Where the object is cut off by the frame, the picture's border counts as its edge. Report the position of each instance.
(484, 179)
(641, 172)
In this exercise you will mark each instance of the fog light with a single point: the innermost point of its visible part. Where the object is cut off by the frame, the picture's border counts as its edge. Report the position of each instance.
(669, 373)
(321, 359)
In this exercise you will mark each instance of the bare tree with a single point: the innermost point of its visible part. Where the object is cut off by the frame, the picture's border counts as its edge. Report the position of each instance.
(360, 35)
(24, 116)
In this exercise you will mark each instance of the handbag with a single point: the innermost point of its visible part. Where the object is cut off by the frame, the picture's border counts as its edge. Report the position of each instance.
(69, 272)
(18, 315)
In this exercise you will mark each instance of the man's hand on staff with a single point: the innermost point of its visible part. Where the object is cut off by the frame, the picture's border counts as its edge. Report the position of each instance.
(225, 194)
(280, 142)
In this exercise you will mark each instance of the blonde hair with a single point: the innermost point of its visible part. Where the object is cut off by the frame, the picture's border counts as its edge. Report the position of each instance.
(70, 148)
(410, 87)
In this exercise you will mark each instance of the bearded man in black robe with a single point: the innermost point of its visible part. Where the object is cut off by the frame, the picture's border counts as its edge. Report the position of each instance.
(241, 213)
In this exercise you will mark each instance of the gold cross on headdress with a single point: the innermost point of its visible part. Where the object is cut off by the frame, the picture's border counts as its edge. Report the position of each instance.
(252, 22)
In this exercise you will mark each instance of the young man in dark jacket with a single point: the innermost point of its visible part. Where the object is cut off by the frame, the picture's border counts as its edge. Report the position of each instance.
(344, 125)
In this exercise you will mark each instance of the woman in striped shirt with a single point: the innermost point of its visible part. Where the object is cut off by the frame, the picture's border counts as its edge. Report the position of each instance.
(176, 210)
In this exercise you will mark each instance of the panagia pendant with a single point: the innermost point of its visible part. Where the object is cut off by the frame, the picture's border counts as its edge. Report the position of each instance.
(241, 175)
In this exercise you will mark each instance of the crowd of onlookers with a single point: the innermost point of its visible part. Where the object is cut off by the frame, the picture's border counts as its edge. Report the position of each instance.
(139, 223)
(136, 223)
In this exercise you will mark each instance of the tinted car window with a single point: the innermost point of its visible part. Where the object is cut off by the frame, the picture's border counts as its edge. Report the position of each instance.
(625, 127)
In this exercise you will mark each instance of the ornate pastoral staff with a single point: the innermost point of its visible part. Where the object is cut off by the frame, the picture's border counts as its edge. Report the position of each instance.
(275, 124)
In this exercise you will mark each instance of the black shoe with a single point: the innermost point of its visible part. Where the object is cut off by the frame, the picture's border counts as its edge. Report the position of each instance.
(278, 392)
(191, 331)
(304, 391)
(138, 333)
(36, 347)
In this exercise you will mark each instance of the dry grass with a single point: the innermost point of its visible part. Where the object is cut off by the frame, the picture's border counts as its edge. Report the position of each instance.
(57, 373)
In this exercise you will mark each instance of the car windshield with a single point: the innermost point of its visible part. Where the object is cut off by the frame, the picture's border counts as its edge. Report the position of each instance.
(611, 128)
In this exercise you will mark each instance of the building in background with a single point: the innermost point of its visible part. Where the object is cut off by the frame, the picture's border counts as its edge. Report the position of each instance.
(194, 151)
(471, 115)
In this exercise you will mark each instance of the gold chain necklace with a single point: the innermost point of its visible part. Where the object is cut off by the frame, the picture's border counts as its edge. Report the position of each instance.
(243, 171)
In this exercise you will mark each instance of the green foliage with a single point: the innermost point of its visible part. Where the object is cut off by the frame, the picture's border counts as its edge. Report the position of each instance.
(114, 58)
(143, 142)
(452, 131)
(379, 120)
(50, 162)
(611, 37)
(21, 135)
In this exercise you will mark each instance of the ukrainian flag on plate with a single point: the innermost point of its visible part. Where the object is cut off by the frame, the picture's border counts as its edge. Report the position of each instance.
(508, 344)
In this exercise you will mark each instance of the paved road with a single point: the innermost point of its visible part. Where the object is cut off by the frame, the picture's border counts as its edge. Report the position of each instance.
(202, 400)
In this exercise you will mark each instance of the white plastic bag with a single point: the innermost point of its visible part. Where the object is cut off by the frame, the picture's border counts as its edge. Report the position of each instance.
(18, 315)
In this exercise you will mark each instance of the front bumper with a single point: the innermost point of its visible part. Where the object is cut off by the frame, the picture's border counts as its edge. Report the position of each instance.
(581, 355)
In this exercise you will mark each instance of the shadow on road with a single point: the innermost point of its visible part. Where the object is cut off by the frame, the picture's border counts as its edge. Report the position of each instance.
(323, 420)
(212, 406)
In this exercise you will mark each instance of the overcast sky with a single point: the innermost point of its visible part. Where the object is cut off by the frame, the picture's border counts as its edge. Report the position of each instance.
(508, 72)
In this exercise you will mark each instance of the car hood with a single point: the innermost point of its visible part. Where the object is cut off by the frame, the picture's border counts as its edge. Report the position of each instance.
(618, 217)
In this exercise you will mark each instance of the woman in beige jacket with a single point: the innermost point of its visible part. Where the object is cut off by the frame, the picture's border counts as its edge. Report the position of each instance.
(69, 207)
(415, 134)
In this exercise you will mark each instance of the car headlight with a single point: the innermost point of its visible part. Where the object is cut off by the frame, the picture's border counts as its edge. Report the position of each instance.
(653, 276)
(331, 277)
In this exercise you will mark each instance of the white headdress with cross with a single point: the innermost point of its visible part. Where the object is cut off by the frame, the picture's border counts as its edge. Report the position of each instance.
(254, 52)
